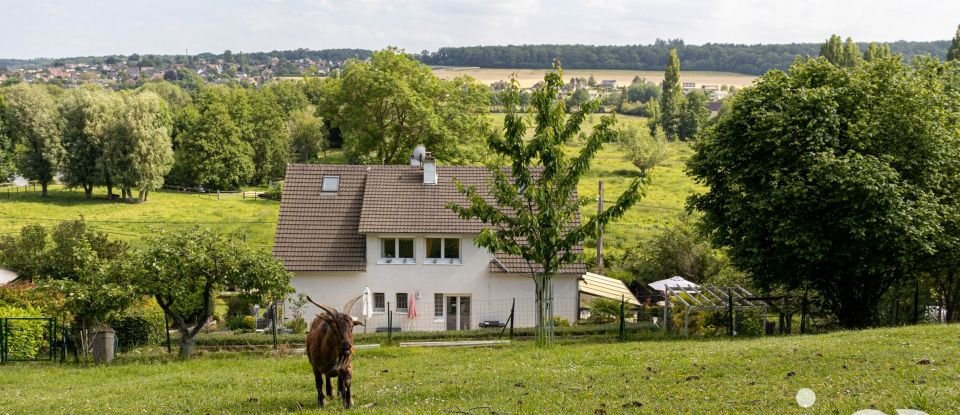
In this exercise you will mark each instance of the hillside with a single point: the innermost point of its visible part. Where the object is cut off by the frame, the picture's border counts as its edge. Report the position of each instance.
(256, 218)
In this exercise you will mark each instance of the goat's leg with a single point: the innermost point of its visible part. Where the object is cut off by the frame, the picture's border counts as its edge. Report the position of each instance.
(343, 382)
(329, 388)
(318, 380)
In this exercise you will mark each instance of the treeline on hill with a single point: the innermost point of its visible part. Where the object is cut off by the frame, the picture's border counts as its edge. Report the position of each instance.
(251, 58)
(218, 137)
(748, 59)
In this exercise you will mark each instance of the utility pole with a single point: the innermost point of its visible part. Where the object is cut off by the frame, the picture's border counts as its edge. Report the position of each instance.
(600, 229)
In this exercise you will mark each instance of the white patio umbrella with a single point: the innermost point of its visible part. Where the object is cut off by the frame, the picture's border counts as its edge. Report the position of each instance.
(674, 283)
(367, 306)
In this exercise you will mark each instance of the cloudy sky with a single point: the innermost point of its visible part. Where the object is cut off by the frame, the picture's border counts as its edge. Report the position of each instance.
(39, 28)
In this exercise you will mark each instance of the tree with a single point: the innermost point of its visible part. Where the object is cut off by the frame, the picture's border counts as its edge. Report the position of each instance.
(846, 54)
(643, 91)
(87, 116)
(387, 106)
(270, 138)
(24, 252)
(693, 115)
(815, 184)
(185, 270)
(33, 124)
(877, 51)
(672, 97)
(307, 136)
(139, 153)
(532, 208)
(642, 149)
(954, 52)
(578, 97)
(832, 49)
(6, 145)
(211, 151)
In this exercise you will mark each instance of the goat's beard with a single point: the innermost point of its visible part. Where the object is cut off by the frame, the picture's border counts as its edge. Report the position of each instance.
(342, 362)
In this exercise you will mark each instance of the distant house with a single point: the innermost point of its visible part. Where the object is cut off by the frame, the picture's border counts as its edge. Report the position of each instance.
(710, 88)
(688, 86)
(608, 84)
(345, 228)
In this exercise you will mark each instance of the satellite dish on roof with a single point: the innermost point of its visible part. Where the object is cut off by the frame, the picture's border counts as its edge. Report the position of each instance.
(419, 153)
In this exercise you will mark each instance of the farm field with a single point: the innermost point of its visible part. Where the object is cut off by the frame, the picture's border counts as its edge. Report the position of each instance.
(255, 218)
(528, 77)
(885, 369)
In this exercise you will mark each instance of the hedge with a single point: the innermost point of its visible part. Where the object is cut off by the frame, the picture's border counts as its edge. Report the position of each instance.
(27, 337)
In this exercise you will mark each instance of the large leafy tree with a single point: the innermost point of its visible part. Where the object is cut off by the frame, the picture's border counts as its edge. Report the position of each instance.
(671, 100)
(845, 54)
(693, 115)
(87, 115)
(185, 270)
(270, 138)
(877, 51)
(308, 138)
(138, 153)
(832, 178)
(387, 106)
(34, 125)
(6, 145)
(532, 208)
(211, 150)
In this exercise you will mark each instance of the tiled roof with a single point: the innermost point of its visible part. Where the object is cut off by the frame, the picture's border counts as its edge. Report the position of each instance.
(397, 201)
(317, 231)
(324, 231)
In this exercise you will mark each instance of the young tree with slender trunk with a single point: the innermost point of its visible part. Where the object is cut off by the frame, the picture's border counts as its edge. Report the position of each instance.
(34, 126)
(671, 101)
(532, 209)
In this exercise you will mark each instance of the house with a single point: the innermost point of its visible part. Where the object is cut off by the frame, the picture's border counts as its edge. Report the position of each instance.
(344, 228)
(608, 84)
(688, 86)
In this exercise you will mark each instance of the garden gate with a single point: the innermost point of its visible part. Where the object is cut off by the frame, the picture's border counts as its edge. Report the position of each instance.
(28, 339)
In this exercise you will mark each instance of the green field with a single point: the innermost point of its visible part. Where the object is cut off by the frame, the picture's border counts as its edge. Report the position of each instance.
(253, 218)
(886, 369)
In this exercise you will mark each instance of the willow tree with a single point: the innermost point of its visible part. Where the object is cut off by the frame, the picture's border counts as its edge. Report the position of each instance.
(532, 209)
(87, 116)
(33, 124)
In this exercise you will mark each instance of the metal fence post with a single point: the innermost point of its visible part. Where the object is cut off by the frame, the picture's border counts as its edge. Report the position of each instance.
(512, 316)
(623, 324)
(274, 316)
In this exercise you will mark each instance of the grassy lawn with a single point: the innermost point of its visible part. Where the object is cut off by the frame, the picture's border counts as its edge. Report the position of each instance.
(254, 218)
(848, 371)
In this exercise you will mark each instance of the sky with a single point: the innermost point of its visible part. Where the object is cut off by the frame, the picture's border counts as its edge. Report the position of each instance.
(39, 28)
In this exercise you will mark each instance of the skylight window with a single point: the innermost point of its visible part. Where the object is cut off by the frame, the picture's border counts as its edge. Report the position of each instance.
(331, 183)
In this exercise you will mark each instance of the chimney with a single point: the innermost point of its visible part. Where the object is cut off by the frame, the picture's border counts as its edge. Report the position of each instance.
(429, 170)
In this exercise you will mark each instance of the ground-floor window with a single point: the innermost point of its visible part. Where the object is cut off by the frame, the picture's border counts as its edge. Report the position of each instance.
(438, 305)
(401, 301)
(379, 302)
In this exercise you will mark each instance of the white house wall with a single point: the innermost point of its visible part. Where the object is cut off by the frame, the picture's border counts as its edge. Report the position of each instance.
(491, 294)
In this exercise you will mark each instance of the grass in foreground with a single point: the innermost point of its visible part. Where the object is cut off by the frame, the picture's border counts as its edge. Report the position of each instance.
(848, 371)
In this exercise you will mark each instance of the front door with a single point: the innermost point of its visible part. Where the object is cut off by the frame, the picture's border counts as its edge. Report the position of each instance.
(458, 312)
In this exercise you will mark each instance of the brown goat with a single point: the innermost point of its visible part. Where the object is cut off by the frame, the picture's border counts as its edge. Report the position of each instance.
(330, 350)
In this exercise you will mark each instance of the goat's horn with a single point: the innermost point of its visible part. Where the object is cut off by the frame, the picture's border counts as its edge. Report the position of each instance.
(346, 308)
(330, 310)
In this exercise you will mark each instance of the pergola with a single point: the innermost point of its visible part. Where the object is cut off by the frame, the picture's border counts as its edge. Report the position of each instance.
(711, 298)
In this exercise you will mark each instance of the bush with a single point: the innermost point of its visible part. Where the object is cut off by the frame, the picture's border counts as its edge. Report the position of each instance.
(560, 322)
(46, 302)
(234, 323)
(298, 325)
(249, 323)
(140, 325)
(633, 108)
(603, 311)
(275, 192)
(239, 305)
(27, 336)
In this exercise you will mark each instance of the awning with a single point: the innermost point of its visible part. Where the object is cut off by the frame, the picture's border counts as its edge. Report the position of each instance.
(675, 283)
(596, 285)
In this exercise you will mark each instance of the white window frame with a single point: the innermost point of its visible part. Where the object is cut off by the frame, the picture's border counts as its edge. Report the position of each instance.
(406, 306)
(335, 184)
(396, 249)
(443, 260)
(441, 317)
(379, 310)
